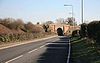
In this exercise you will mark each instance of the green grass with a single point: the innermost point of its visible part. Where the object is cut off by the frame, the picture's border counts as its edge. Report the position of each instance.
(82, 52)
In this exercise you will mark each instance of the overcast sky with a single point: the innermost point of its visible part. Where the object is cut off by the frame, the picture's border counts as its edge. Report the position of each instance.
(45, 10)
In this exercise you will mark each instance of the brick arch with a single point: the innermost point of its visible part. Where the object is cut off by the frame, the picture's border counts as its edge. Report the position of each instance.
(66, 28)
(54, 27)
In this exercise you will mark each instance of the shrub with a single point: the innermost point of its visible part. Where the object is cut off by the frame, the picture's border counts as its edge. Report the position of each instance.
(92, 29)
(17, 30)
(75, 33)
(98, 37)
(83, 31)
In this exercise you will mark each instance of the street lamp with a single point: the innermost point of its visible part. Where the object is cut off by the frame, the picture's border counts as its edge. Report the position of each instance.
(72, 9)
(72, 13)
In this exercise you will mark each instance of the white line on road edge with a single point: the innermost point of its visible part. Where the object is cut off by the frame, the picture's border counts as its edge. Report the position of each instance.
(14, 59)
(69, 50)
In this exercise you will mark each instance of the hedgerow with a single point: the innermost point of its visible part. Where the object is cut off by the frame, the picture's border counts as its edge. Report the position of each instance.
(12, 30)
(91, 30)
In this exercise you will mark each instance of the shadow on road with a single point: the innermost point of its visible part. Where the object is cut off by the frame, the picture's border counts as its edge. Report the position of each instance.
(56, 52)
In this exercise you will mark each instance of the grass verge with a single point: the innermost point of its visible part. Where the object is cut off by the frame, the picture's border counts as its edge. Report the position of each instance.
(82, 52)
(35, 37)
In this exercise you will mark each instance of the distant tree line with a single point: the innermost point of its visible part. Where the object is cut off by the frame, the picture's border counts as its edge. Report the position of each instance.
(68, 21)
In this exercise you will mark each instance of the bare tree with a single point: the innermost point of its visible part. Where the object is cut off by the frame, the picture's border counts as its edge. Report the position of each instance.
(70, 20)
(49, 22)
(60, 21)
(45, 27)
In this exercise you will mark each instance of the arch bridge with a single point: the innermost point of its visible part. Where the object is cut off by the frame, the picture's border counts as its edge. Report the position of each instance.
(65, 28)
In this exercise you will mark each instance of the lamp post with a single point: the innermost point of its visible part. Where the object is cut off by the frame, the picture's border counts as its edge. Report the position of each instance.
(82, 11)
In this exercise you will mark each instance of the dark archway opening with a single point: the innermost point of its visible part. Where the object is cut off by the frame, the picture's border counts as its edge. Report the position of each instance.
(60, 32)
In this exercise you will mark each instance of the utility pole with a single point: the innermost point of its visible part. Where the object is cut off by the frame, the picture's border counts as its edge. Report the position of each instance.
(82, 11)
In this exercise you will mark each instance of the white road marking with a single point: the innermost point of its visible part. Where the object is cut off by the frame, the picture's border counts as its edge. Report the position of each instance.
(14, 59)
(32, 51)
(22, 55)
(28, 52)
(69, 52)
(43, 46)
(37, 48)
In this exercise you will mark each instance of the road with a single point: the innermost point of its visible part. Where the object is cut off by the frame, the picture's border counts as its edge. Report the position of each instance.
(54, 50)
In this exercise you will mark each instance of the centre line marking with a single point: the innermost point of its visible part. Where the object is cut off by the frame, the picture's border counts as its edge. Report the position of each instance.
(37, 48)
(32, 51)
(28, 52)
(14, 59)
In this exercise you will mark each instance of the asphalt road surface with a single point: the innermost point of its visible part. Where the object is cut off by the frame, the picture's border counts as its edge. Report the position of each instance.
(54, 50)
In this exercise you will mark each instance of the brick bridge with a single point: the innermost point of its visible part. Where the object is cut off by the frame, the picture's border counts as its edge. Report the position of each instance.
(66, 28)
